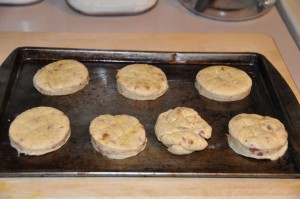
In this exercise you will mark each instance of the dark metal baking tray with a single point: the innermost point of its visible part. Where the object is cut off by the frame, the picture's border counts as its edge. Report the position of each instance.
(270, 95)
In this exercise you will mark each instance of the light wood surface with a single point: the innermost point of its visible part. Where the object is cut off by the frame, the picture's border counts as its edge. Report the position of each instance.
(150, 187)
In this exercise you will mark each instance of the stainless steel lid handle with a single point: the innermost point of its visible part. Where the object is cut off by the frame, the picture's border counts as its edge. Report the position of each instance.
(263, 4)
(202, 5)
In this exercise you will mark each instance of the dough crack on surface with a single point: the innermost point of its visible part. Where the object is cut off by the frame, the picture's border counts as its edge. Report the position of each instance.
(182, 130)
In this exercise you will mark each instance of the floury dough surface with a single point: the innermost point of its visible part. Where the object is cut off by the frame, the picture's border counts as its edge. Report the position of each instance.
(182, 130)
(118, 136)
(39, 130)
(141, 82)
(223, 83)
(61, 77)
(256, 136)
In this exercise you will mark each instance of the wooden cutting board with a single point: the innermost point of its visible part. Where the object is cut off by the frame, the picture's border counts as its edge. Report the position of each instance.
(146, 187)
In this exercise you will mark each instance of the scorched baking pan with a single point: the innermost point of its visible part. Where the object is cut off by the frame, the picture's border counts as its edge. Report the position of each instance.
(270, 96)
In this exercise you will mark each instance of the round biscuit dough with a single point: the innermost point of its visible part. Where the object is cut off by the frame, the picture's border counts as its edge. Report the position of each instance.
(39, 130)
(61, 78)
(223, 83)
(256, 136)
(118, 136)
(141, 82)
(182, 130)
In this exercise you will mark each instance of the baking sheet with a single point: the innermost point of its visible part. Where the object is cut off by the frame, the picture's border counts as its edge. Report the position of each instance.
(270, 95)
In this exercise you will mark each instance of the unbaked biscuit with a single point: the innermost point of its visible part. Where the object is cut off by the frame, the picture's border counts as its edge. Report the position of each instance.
(39, 130)
(61, 78)
(141, 82)
(182, 130)
(256, 136)
(118, 136)
(223, 83)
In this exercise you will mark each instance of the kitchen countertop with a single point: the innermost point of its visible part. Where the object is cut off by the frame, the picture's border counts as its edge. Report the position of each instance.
(186, 32)
(289, 11)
